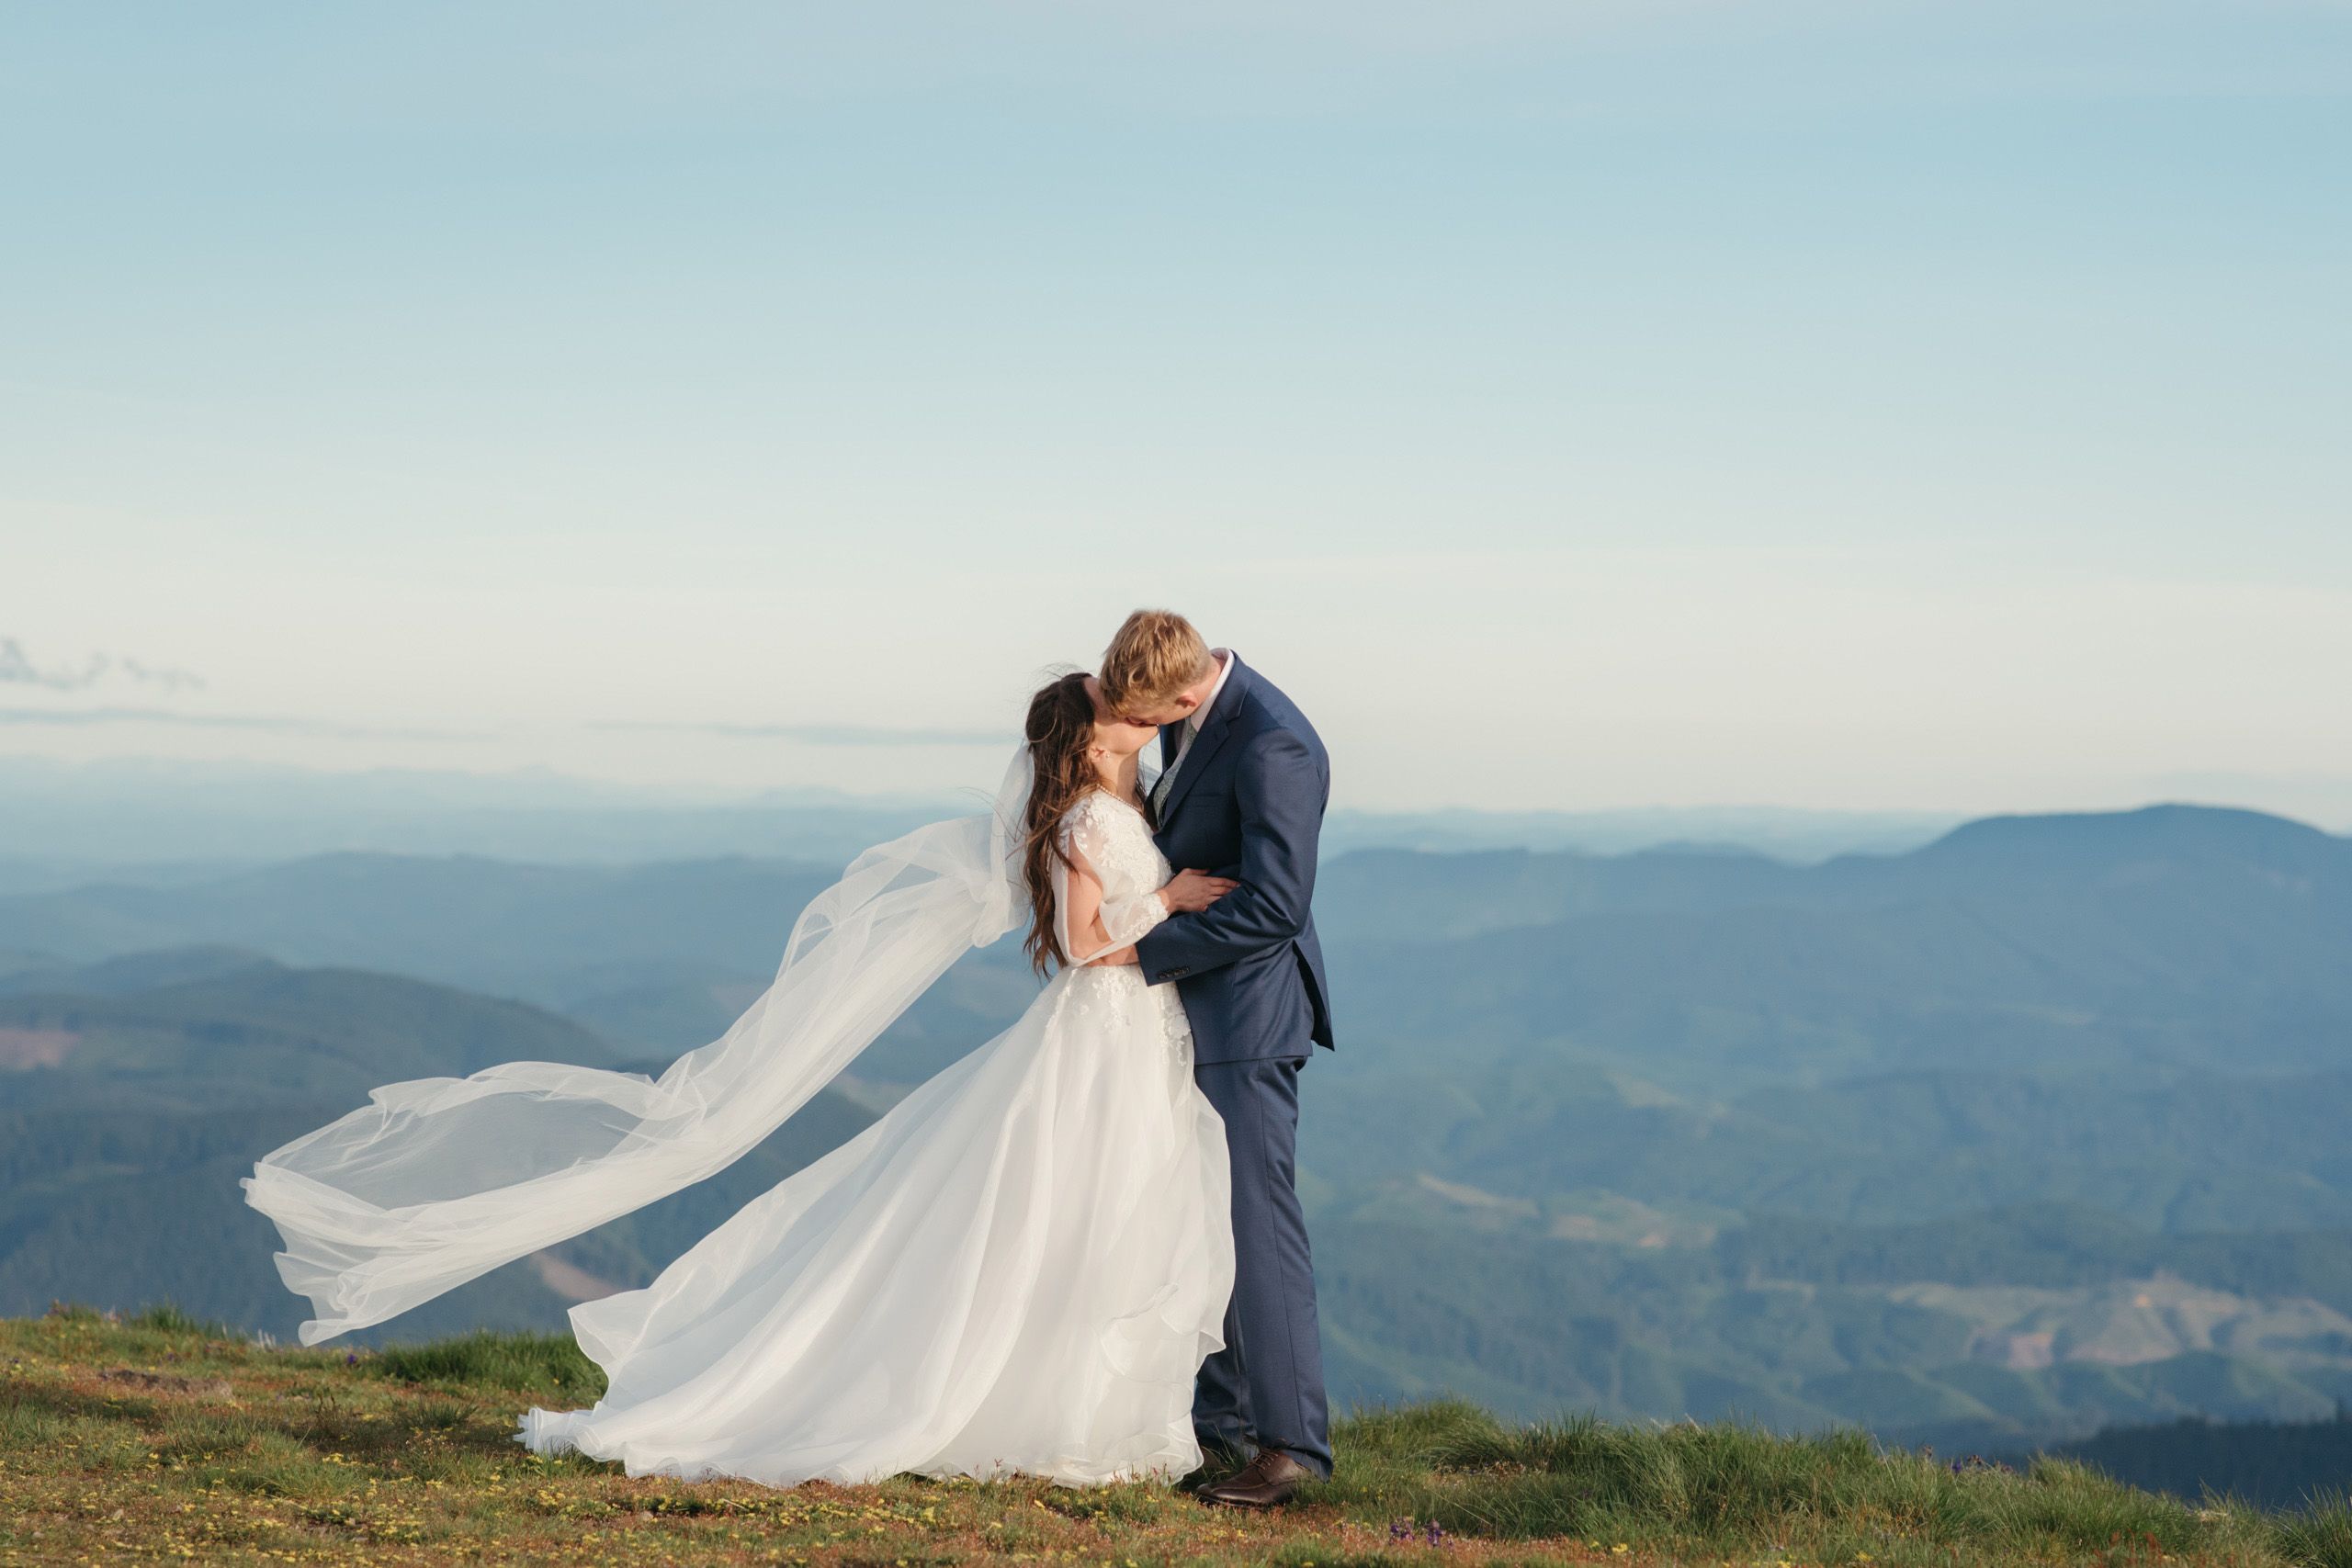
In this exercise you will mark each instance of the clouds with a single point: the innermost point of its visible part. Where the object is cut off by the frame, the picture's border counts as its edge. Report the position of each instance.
(266, 724)
(832, 735)
(17, 667)
(818, 734)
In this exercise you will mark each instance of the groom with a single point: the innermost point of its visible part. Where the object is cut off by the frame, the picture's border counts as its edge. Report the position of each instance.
(1242, 790)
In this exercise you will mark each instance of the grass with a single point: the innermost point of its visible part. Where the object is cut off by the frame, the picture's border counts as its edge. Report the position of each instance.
(159, 1438)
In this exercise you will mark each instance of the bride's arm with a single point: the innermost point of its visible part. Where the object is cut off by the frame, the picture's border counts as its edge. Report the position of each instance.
(1083, 911)
(1090, 925)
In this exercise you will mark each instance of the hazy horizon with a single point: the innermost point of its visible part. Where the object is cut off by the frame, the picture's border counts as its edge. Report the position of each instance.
(531, 781)
(164, 822)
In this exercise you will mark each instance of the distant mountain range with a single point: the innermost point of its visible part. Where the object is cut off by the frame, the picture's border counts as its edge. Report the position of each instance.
(63, 824)
(2028, 1131)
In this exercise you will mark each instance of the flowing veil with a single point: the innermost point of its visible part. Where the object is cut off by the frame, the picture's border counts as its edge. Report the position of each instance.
(440, 1180)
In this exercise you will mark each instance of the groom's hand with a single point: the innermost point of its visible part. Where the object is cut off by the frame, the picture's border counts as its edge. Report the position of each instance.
(1116, 955)
(1188, 892)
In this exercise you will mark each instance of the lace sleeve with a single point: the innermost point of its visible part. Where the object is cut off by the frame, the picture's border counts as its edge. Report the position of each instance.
(1131, 904)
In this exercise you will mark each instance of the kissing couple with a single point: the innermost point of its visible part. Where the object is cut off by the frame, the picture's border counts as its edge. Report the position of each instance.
(1078, 1252)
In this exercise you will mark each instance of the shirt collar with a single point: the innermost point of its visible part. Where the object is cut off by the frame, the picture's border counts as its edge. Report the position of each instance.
(1193, 720)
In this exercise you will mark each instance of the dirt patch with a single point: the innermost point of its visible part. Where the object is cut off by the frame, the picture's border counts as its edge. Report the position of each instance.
(167, 1383)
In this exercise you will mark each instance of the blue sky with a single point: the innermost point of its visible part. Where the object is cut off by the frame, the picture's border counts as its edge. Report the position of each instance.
(1877, 405)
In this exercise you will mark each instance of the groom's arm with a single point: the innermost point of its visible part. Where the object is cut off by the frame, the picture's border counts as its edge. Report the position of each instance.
(1280, 798)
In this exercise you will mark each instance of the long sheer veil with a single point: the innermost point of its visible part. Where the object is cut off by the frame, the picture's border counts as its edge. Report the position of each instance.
(438, 1180)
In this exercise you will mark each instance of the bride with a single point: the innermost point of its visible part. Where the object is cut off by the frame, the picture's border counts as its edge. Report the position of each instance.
(1020, 1268)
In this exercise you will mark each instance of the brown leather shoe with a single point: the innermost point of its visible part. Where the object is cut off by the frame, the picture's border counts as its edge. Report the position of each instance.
(1266, 1482)
(1217, 1461)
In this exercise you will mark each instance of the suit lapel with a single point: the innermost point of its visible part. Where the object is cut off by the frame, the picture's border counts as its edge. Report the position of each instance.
(1205, 744)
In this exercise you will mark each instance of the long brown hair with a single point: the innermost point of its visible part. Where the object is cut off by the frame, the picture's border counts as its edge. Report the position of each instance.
(1060, 728)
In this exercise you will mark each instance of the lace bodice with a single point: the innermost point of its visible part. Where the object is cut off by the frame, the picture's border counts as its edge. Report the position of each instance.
(1116, 842)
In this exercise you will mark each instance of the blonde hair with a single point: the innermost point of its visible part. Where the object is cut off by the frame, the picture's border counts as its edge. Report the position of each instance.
(1154, 655)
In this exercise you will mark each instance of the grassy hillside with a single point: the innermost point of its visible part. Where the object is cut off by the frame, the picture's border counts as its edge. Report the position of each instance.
(160, 1438)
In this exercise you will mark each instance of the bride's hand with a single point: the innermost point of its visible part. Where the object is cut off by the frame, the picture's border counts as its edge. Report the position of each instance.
(1188, 892)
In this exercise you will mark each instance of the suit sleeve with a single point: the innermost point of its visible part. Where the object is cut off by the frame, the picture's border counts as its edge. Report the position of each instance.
(1279, 794)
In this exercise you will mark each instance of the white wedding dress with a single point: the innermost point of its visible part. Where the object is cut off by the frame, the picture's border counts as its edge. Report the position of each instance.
(1020, 1268)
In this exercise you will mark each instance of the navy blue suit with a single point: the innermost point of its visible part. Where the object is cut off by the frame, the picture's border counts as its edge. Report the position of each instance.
(1247, 804)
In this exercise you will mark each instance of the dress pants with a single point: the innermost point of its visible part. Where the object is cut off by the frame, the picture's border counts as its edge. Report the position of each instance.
(1265, 1388)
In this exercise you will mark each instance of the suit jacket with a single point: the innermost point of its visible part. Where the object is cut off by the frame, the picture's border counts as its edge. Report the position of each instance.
(1247, 804)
